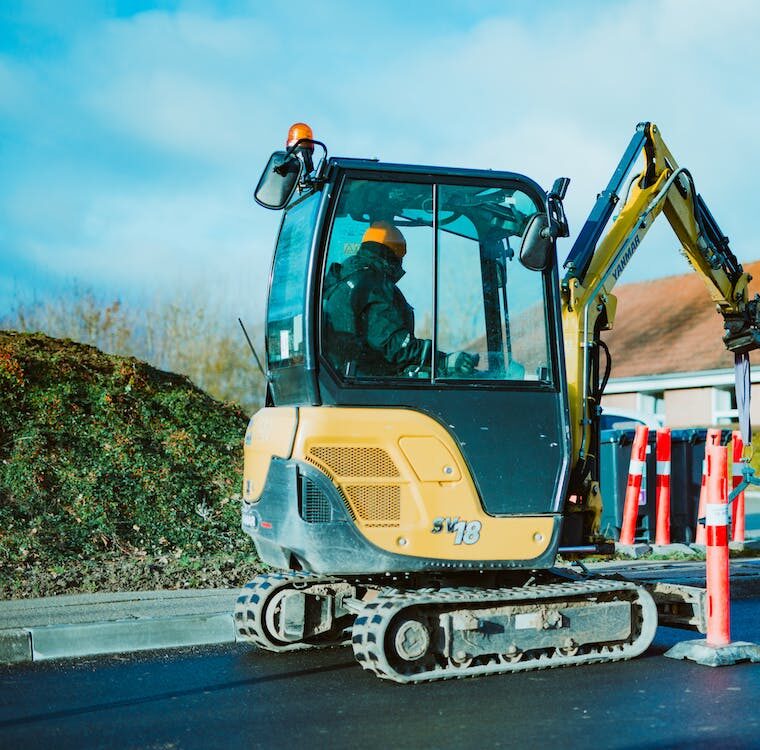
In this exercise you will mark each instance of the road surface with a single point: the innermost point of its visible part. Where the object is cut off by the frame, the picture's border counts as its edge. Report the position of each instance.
(238, 697)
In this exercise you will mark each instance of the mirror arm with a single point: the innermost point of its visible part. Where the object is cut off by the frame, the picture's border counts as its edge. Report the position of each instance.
(540, 234)
(284, 168)
(302, 141)
(555, 210)
(311, 177)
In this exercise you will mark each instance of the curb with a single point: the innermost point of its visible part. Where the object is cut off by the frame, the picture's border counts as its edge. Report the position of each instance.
(15, 646)
(74, 625)
(91, 639)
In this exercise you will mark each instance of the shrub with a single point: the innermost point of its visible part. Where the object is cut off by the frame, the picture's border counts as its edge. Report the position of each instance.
(102, 453)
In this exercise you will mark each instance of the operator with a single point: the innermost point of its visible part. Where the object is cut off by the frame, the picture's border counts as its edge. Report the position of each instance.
(369, 323)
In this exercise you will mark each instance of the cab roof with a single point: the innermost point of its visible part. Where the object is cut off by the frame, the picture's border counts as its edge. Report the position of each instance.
(374, 165)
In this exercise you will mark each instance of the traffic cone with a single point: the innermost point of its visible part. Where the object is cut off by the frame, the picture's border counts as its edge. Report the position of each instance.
(717, 649)
(737, 517)
(716, 527)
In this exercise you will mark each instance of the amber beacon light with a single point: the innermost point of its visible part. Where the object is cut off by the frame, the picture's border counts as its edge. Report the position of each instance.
(298, 131)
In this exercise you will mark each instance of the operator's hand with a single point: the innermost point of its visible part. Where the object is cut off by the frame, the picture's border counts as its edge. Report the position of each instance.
(461, 363)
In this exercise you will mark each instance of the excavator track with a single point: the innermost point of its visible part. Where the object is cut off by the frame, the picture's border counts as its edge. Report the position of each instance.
(423, 635)
(265, 604)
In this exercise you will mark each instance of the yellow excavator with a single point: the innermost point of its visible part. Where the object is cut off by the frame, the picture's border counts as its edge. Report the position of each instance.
(430, 439)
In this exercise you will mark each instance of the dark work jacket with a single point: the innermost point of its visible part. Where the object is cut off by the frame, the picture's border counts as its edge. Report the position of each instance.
(369, 325)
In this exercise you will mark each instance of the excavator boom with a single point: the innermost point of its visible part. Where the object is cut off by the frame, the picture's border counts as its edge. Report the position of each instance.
(598, 260)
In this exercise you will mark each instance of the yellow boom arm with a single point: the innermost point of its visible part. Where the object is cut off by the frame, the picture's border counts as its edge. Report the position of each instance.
(600, 256)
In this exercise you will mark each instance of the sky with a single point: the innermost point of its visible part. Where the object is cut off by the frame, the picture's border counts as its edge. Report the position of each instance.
(132, 133)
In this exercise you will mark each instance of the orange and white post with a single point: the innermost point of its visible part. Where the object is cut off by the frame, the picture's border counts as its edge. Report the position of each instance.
(633, 488)
(737, 517)
(717, 649)
(716, 525)
(662, 533)
(713, 438)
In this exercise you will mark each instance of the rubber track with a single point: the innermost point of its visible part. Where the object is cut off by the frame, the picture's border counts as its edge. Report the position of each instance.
(251, 604)
(371, 625)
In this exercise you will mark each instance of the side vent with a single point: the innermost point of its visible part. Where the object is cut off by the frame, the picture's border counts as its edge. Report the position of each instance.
(315, 507)
(354, 462)
(376, 504)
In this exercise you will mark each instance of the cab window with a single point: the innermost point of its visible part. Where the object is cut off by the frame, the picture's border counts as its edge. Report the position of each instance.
(285, 311)
(377, 303)
(393, 246)
(489, 306)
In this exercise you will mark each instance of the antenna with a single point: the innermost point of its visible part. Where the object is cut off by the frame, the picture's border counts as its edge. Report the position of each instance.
(253, 351)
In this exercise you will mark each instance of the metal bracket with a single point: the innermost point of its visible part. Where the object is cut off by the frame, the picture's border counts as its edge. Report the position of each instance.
(679, 606)
(749, 479)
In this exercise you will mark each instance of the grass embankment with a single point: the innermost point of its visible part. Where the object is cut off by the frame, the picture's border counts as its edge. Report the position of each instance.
(113, 475)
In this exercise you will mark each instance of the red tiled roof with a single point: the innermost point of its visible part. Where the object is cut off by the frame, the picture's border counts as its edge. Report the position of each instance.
(669, 325)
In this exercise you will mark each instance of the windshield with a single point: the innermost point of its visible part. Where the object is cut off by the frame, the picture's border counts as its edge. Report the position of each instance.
(444, 297)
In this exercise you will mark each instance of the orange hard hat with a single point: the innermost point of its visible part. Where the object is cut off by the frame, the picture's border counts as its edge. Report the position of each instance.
(386, 234)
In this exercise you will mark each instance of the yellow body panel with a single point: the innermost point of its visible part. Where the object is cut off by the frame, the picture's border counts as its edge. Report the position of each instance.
(430, 459)
(407, 486)
(270, 433)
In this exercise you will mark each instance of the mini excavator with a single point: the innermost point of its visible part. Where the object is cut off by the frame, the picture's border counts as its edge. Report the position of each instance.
(418, 514)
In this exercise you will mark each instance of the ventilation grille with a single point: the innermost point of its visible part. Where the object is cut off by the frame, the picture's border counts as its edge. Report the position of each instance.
(376, 505)
(354, 462)
(315, 507)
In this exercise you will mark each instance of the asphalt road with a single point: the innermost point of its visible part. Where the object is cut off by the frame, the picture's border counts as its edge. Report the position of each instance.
(238, 697)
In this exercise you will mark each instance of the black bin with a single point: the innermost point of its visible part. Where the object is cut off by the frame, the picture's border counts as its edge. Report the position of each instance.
(687, 455)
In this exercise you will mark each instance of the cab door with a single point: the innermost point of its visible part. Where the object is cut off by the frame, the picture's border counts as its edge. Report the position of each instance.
(470, 296)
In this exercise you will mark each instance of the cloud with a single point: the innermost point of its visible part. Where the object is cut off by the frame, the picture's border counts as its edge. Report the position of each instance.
(136, 139)
(181, 83)
(131, 242)
(563, 97)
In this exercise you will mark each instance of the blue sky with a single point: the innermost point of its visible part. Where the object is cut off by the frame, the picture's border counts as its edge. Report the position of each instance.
(132, 133)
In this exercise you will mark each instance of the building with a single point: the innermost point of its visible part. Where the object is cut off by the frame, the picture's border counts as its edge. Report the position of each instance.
(668, 356)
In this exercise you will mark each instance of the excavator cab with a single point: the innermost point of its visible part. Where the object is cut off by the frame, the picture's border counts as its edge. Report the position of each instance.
(401, 448)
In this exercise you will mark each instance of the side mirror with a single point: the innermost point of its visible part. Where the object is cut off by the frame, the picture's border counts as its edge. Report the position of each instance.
(542, 230)
(278, 180)
(537, 243)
